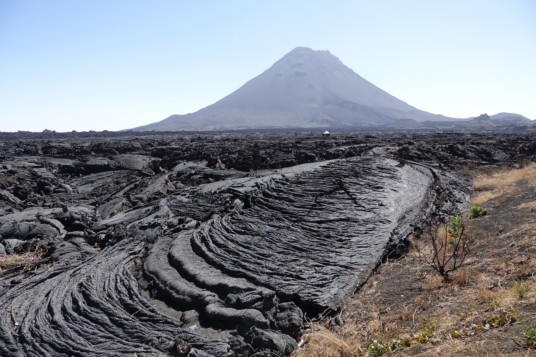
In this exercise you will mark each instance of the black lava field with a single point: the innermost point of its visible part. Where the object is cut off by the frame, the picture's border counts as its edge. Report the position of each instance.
(212, 245)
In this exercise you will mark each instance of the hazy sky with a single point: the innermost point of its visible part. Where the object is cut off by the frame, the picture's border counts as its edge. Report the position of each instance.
(95, 65)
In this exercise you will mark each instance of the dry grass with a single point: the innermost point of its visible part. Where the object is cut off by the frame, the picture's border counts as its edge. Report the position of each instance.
(531, 206)
(19, 260)
(463, 277)
(502, 181)
(499, 278)
(325, 343)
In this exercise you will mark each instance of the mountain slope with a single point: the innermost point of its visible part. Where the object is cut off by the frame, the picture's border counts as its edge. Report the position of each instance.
(510, 117)
(305, 88)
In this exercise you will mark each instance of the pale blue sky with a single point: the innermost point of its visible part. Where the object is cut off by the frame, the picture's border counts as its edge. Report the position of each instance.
(94, 65)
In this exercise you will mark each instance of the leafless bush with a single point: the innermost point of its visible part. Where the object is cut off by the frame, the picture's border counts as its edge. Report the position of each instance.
(445, 247)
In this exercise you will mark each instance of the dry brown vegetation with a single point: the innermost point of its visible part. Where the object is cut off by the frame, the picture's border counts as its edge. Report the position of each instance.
(22, 260)
(501, 182)
(485, 310)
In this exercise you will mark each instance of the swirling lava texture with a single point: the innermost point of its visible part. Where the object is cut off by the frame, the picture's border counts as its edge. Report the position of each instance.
(327, 228)
(89, 308)
(194, 261)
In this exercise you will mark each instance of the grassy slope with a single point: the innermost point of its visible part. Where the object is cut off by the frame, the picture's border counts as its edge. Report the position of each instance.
(485, 311)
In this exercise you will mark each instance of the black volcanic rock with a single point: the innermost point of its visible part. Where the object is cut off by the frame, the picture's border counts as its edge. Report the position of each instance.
(304, 89)
(158, 254)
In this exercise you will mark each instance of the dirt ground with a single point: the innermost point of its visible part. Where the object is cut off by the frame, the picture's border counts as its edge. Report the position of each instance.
(487, 309)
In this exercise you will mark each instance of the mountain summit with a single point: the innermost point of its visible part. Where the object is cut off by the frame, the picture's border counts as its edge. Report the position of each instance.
(304, 89)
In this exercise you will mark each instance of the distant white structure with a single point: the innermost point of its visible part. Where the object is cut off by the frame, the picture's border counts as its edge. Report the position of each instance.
(326, 133)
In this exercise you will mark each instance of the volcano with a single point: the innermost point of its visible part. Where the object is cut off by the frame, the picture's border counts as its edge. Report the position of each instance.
(304, 89)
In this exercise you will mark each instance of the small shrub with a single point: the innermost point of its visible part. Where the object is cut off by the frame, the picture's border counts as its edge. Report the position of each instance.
(521, 290)
(405, 343)
(455, 225)
(529, 337)
(501, 318)
(492, 305)
(376, 348)
(476, 211)
(428, 329)
(447, 254)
